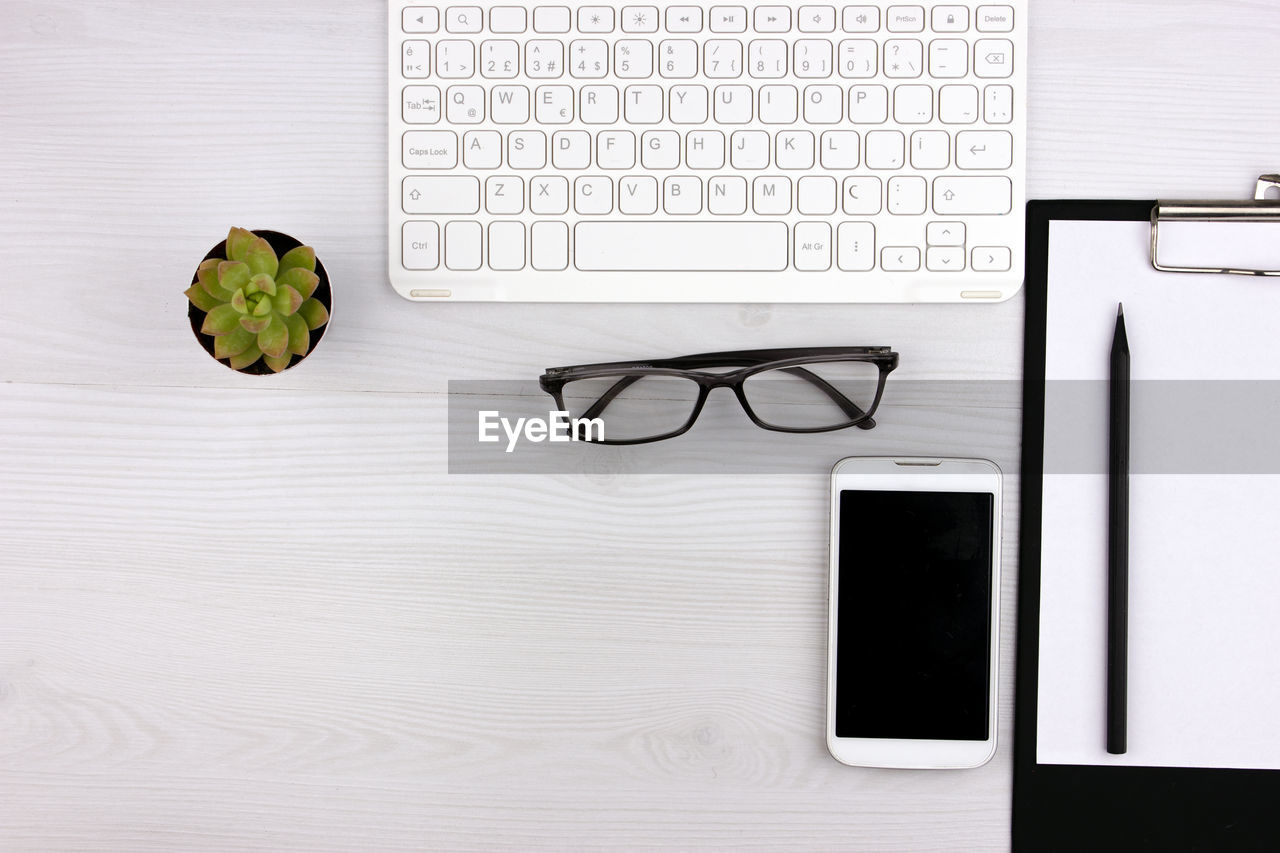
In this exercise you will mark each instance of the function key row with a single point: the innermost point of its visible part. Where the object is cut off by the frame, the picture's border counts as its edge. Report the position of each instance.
(718, 19)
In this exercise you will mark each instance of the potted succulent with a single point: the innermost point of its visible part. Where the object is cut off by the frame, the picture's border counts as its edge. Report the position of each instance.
(260, 311)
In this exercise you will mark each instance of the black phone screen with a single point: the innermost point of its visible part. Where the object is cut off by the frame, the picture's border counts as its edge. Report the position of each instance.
(913, 633)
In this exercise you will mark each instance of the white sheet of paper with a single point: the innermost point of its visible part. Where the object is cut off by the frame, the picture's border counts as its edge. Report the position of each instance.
(1204, 582)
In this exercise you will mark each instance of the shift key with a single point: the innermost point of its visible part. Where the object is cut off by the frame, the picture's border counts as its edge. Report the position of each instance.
(441, 194)
(972, 195)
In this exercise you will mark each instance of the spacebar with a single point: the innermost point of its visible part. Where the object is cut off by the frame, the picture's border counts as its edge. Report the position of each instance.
(680, 246)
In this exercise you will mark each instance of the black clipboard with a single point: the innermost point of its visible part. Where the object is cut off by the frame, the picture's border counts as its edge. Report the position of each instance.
(1084, 807)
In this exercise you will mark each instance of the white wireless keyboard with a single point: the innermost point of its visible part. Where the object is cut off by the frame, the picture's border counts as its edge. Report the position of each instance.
(707, 153)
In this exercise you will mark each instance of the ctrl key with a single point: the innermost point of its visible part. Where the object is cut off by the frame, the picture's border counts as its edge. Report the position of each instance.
(420, 245)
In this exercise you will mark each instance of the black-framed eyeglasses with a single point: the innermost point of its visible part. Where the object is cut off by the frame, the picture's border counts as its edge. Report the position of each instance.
(809, 389)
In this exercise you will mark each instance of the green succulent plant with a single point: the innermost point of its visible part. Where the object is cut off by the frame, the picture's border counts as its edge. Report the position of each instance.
(258, 305)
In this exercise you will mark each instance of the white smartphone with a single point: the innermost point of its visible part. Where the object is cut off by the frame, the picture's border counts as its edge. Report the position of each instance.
(914, 595)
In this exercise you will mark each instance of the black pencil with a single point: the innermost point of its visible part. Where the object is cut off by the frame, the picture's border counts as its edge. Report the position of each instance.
(1118, 545)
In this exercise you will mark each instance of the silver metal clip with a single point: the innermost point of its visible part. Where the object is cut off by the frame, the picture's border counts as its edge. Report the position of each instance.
(1259, 209)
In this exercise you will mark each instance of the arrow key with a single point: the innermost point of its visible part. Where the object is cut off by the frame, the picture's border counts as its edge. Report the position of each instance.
(992, 258)
(900, 259)
(420, 19)
(945, 258)
(944, 234)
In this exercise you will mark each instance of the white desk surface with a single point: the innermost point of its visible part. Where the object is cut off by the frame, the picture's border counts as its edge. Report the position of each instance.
(258, 614)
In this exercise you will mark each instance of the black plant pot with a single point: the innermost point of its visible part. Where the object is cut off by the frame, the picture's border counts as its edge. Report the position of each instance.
(281, 243)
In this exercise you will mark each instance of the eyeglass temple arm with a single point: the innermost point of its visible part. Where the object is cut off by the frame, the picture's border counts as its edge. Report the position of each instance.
(608, 396)
(846, 405)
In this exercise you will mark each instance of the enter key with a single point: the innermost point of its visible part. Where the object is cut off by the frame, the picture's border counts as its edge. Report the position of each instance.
(984, 149)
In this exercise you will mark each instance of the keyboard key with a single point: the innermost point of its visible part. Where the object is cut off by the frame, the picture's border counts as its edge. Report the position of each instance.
(509, 105)
(868, 104)
(957, 196)
(948, 58)
(499, 59)
(903, 58)
(767, 59)
(944, 258)
(816, 195)
(704, 149)
(549, 195)
(793, 149)
(506, 246)
(464, 19)
(749, 149)
(840, 149)
(684, 19)
(462, 245)
(553, 104)
(727, 195)
(421, 104)
(994, 19)
(856, 246)
(728, 19)
(813, 246)
(420, 245)
(678, 58)
(598, 105)
(904, 19)
(885, 149)
(950, 19)
(593, 196)
(527, 149)
(861, 196)
(907, 195)
(682, 195)
(589, 58)
(823, 104)
(420, 19)
(733, 104)
(778, 104)
(813, 58)
(816, 19)
(551, 19)
(858, 58)
(993, 58)
(633, 58)
(595, 19)
(772, 19)
(998, 103)
(616, 149)
(551, 245)
(913, 104)
(640, 19)
(430, 150)
(930, 149)
(441, 194)
(984, 149)
(504, 195)
(771, 195)
(687, 104)
(660, 149)
(455, 60)
(991, 258)
(900, 258)
(638, 195)
(482, 149)
(642, 104)
(723, 58)
(507, 19)
(945, 234)
(685, 246)
(415, 59)
(571, 149)
(860, 19)
(544, 58)
(958, 104)
(464, 104)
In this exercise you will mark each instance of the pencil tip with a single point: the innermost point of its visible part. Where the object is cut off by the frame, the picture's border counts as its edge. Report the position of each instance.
(1120, 312)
